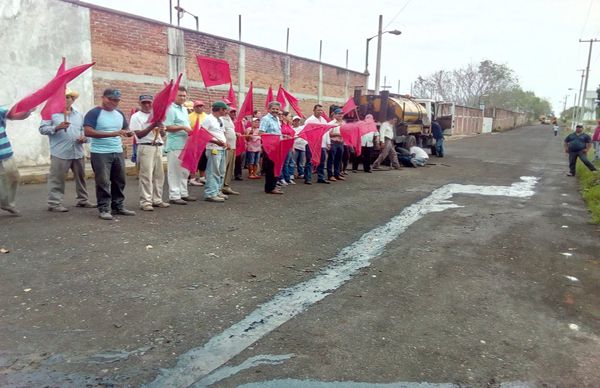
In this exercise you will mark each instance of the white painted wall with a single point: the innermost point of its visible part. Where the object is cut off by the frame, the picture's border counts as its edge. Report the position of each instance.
(36, 34)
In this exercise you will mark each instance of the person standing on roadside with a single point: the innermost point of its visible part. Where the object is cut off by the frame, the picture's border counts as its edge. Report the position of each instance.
(317, 118)
(438, 134)
(149, 155)
(106, 125)
(577, 145)
(215, 153)
(231, 136)
(65, 134)
(198, 115)
(596, 141)
(270, 124)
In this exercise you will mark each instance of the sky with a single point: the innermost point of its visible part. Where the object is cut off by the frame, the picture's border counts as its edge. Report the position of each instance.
(537, 39)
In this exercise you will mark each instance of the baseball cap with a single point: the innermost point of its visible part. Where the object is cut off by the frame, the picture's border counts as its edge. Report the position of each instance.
(338, 111)
(220, 104)
(198, 103)
(71, 93)
(112, 93)
(146, 97)
(255, 119)
(296, 118)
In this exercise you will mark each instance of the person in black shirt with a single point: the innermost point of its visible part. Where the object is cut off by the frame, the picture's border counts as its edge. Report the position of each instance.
(577, 145)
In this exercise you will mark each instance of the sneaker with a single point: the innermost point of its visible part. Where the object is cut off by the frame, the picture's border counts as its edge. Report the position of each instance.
(570, 174)
(189, 198)
(147, 208)
(105, 216)
(228, 190)
(323, 181)
(214, 199)
(58, 209)
(123, 212)
(291, 183)
(178, 201)
(161, 205)
(282, 183)
(195, 182)
(87, 205)
(201, 179)
(12, 210)
(300, 176)
(224, 196)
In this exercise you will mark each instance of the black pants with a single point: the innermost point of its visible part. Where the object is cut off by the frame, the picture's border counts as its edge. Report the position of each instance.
(269, 169)
(581, 155)
(347, 153)
(365, 157)
(239, 163)
(109, 172)
(202, 162)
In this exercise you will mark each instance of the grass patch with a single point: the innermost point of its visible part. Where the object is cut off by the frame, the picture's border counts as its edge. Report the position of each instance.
(590, 187)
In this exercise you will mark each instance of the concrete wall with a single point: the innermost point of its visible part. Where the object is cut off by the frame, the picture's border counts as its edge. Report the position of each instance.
(35, 36)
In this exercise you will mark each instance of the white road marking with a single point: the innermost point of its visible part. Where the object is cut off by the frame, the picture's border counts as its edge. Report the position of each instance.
(289, 302)
(572, 278)
(567, 254)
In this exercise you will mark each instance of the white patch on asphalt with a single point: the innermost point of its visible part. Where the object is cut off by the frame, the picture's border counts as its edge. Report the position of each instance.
(289, 302)
(572, 278)
(573, 326)
(567, 254)
(565, 226)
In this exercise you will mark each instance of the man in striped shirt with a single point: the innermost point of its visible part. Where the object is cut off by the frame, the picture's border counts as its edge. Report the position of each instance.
(9, 175)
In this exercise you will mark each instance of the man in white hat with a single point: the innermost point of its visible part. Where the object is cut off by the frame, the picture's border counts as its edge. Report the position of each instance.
(65, 133)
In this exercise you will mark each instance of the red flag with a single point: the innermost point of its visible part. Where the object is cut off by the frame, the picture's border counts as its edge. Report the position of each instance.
(58, 82)
(231, 97)
(367, 125)
(194, 147)
(313, 134)
(349, 106)
(214, 71)
(269, 98)
(247, 109)
(351, 135)
(325, 116)
(281, 97)
(277, 149)
(287, 129)
(293, 102)
(163, 100)
(56, 103)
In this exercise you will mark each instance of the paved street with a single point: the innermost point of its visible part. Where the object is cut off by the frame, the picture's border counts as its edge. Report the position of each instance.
(461, 273)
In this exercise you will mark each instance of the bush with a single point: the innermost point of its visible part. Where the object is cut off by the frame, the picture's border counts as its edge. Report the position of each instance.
(590, 187)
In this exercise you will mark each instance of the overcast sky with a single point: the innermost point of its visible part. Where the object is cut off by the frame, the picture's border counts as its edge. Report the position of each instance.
(538, 39)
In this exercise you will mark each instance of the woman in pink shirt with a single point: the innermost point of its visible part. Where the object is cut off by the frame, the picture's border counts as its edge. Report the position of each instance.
(253, 148)
(596, 142)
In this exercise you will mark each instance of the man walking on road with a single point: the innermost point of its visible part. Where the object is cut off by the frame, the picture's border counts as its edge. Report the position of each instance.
(106, 124)
(150, 148)
(386, 134)
(65, 133)
(577, 145)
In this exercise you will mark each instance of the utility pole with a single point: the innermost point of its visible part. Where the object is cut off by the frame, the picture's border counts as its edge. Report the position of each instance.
(378, 64)
(587, 74)
(577, 108)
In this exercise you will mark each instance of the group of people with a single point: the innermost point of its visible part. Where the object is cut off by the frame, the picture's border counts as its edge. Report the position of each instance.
(104, 126)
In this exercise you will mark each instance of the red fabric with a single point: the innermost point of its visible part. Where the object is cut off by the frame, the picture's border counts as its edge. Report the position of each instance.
(269, 98)
(56, 103)
(231, 97)
(281, 97)
(351, 135)
(163, 100)
(287, 129)
(313, 134)
(240, 143)
(293, 102)
(247, 107)
(194, 147)
(277, 149)
(325, 116)
(596, 136)
(213, 71)
(349, 106)
(58, 82)
(368, 125)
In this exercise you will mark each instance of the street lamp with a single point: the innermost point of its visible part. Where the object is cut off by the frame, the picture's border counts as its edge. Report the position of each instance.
(181, 12)
(378, 65)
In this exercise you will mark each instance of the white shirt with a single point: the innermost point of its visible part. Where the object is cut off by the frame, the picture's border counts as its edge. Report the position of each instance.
(139, 122)
(217, 129)
(419, 153)
(386, 131)
(366, 140)
(229, 131)
(299, 143)
(321, 120)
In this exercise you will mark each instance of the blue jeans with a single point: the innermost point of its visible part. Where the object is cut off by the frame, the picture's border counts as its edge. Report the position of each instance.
(308, 165)
(334, 162)
(439, 147)
(321, 166)
(215, 172)
(299, 159)
(288, 167)
(252, 157)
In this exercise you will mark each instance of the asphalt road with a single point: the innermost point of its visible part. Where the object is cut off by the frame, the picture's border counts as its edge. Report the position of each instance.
(460, 273)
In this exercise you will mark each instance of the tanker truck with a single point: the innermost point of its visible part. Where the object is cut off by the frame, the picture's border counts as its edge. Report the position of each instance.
(414, 115)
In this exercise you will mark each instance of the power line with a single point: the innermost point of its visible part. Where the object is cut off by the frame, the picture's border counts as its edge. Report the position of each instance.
(396, 15)
(587, 17)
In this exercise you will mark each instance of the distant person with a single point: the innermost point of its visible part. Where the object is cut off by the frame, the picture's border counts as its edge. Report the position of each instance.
(417, 156)
(317, 118)
(386, 136)
(65, 134)
(438, 134)
(9, 174)
(231, 136)
(270, 124)
(106, 124)
(216, 153)
(596, 141)
(577, 145)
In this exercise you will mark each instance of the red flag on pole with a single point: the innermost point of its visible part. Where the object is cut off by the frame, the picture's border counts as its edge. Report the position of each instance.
(56, 103)
(325, 116)
(231, 97)
(163, 100)
(57, 83)
(351, 135)
(313, 134)
(214, 71)
(277, 149)
(349, 106)
(194, 147)
(281, 97)
(269, 98)
(247, 109)
(293, 102)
